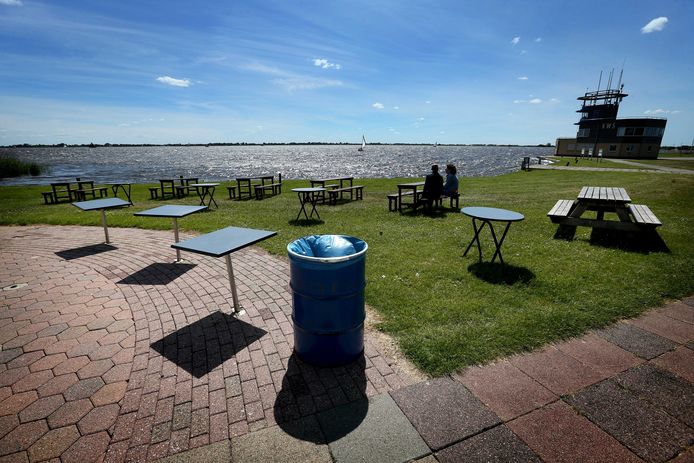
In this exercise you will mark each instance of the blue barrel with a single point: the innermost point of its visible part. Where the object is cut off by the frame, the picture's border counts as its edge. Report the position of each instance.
(328, 277)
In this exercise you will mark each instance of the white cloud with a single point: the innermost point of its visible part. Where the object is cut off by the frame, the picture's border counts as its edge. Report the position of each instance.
(655, 25)
(515, 40)
(523, 52)
(538, 39)
(377, 105)
(11, 2)
(420, 119)
(396, 107)
(554, 100)
(535, 101)
(325, 64)
(174, 82)
(428, 102)
(306, 83)
(523, 78)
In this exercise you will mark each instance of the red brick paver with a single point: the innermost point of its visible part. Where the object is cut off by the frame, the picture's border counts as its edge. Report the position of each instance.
(111, 352)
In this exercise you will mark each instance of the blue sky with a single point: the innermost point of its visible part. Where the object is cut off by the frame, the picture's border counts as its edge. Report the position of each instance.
(279, 71)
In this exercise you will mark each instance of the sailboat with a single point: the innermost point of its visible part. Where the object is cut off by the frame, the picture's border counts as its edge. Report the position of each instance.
(363, 144)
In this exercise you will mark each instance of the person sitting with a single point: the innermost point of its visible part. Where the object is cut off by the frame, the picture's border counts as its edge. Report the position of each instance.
(433, 186)
(450, 188)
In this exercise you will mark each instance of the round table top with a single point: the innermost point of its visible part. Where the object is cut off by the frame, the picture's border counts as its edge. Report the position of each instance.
(308, 190)
(492, 213)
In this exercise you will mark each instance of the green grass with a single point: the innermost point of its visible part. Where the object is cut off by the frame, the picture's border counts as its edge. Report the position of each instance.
(10, 167)
(605, 163)
(677, 164)
(447, 311)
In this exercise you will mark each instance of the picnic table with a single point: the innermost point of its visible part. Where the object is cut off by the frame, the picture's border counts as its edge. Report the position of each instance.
(102, 205)
(245, 184)
(175, 212)
(329, 183)
(222, 243)
(631, 217)
(407, 189)
(488, 215)
(205, 190)
(308, 196)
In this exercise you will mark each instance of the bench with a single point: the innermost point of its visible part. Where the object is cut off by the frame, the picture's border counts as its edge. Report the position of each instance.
(359, 189)
(232, 192)
(275, 188)
(439, 201)
(153, 192)
(81, 194)
(393, 200)
(644, 216)
(181, 190)
(561, 209)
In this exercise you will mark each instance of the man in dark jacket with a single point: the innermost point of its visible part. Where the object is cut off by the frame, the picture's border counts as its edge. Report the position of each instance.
(433, 186)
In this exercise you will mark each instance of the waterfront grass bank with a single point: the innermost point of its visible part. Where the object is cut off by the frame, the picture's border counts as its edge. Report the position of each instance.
(445, 310)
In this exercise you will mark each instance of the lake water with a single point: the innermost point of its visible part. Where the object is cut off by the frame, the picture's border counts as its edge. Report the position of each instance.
(220, 163)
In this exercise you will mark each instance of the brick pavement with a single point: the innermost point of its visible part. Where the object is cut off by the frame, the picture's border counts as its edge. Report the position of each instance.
(113, 353)
(109, 353)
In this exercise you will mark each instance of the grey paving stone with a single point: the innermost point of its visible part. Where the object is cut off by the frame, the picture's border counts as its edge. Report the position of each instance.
(662, 389)
(689, 300)
(498, 444)
(213, 453)
(443, 411)
(296, 441)
(383, 434)
(645, 429)
(637, 341)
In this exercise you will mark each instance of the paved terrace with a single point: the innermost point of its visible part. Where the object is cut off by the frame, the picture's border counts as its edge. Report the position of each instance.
(111, 353)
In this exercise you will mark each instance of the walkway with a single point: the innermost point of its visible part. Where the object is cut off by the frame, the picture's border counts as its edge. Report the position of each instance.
(111, 353)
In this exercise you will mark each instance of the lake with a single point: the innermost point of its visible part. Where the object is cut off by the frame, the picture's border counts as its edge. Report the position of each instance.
(220, 163)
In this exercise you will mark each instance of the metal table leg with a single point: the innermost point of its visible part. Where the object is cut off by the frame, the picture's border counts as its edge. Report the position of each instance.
(175, 227)
(237, 308)
(103, 222)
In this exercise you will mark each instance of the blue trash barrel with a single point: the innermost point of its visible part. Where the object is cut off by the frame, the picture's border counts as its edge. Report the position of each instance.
(328, 277)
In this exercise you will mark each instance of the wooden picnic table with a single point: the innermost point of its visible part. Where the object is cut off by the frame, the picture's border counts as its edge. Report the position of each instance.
(329, 183)
(403, 190)
(631, 217)
(244, 184)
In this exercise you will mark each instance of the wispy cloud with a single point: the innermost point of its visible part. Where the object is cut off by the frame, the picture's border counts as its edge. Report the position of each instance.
(428, 102)
(377, 105)
(523, 78)
(325, 64)
(396, 107)
(531, 101)
(661, 111)
(655, 25)
(174, 82)
(420, 119)
(538, 39)
(515, 40)
(291, 81)
(11, 2)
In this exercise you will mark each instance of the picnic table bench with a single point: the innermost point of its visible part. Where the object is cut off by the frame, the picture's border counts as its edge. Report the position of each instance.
(395, 200)
(632, 217)
(274, 188)
(353, 190)
(246, 185)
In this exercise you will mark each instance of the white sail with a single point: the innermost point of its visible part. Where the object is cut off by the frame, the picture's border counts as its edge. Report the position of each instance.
(363, 144)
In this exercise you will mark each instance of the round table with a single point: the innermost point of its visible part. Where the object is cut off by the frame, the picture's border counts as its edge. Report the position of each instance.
(487, 215)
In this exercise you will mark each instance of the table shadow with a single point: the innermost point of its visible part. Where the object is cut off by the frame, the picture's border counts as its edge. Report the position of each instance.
(340, 408)
(501, 274)
(306, 222)
(644, 242)
(93, 249)
(205, 344)
(157, 273)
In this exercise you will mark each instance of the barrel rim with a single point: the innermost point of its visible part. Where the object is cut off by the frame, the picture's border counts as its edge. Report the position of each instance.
(328, 260)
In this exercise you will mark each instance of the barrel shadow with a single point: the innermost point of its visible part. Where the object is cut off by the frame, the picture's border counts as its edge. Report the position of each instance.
(335, 394)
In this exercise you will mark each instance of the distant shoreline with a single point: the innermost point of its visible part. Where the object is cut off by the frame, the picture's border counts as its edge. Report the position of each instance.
(127, 145)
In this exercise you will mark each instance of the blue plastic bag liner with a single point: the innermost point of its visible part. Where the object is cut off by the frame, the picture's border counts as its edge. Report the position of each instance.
(327, 248)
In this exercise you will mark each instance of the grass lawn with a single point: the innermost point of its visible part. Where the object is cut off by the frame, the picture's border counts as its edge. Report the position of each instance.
(677, 164)
(604, 164)
(447, 311)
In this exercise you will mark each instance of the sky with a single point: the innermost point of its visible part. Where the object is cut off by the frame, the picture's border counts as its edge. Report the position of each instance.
(395, 71)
